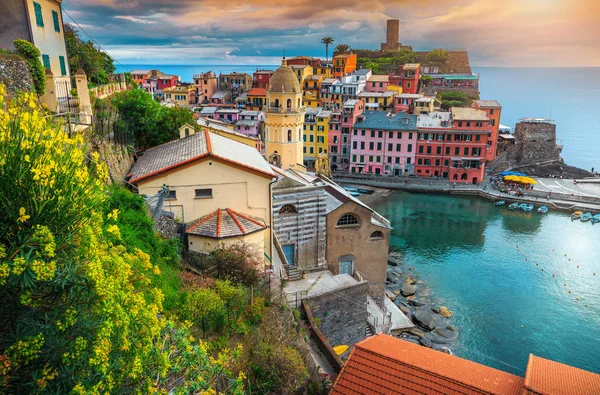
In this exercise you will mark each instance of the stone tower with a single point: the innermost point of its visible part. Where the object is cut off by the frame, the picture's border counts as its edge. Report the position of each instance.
(392, 36)
(284, 120)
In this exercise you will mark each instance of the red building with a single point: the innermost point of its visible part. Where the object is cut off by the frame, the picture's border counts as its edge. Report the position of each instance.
(452, 145)
(303, 61)
(408, 77)
(260, 78)
(167, 81)
(493, 110)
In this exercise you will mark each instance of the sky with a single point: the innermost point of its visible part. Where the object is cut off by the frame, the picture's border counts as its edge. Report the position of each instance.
(502, 33)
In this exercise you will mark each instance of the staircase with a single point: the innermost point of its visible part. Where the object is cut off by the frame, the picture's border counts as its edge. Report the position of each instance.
(293, 273)
(369, 330)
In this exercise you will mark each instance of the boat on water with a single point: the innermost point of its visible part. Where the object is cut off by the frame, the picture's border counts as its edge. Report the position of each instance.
(366, 191)
(595, 219)
(350, 189)
(586, 217)
(513, 206)
(526, 207)
(576, 214)
(543, 210)
(355, 194)
(499, 203)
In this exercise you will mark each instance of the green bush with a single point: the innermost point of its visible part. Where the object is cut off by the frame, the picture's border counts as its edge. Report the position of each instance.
(32, 55)
(437, 55)
(278, 369)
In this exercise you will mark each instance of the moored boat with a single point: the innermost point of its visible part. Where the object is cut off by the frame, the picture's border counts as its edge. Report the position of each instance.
(586, 217)
(366, 191)
(576, 214)
(543, 210)
(513, 206)
(499, 203)
(350, 189)
(595, 219)
(355, 194)
(528, 207)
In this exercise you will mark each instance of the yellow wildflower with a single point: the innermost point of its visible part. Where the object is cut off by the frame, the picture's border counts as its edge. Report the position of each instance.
(156, 270)
(26, 158)
(114, 214)
(22, 216)
(19, 265)
(114, 230)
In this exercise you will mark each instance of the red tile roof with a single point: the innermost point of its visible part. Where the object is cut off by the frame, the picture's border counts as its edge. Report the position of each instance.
(224, 223)
(257, 92)
(383, 364)
(547, 377)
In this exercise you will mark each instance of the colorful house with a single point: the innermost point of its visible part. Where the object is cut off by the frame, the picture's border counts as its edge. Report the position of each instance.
(235, 83)
(455, 80)
(380, 101)
(206, 85)
(351, 111)
(316, 134)
(408, 77)
(227, 115)
(452, 145)
(377, 83)
(256, 98)
(406, 102)
(249, 123)
(166, 81)
(182, 95)
(302, 72)
(425, 105)
(213, 181)
(304, 61)
(221, 98)
(384, 144)
(335, 138)
(344, 64)
(230, 131)
(312, 90)
(493, 110)
(260, 78)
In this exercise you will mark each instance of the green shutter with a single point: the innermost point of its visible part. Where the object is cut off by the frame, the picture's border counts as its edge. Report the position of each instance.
(56, 23)
(63, 68)
(46, 61)
(39, 20)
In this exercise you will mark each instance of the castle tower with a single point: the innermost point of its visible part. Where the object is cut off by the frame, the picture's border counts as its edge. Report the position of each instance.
(284, 119)
(392, 36)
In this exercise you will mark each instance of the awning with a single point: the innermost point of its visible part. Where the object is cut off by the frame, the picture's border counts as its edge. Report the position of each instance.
(507, 136)
(372, 104)
(460, 77)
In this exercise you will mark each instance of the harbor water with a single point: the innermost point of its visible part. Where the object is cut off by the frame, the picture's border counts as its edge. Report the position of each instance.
(485, 264)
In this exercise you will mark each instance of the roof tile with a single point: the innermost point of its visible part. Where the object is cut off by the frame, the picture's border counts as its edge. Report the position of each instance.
(224, 223)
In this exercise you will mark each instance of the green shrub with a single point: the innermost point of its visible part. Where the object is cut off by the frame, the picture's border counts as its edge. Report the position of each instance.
(437, 55)
(278, 369)
(32, 55)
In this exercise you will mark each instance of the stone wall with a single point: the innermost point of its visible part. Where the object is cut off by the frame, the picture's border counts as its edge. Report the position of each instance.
(117, 158)
(342, 315)
(536, 142)
(14, 74)
(472, 92)
(456, 63)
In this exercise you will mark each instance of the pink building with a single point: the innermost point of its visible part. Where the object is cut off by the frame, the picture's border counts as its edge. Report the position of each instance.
(167, 81)
(351, 111)
(206, 86)
(405, 102)
(377, 83)
(249, 123)
(383, 144)
(227, 115)
(334, 138)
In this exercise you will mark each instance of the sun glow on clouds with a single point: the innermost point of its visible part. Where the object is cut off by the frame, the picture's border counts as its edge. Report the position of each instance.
(496, 33)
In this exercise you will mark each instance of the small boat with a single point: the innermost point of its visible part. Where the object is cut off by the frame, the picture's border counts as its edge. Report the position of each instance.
(355, 194)
(595, 219)
(499, 203)
(585, 217)
(543, 210)
(576, 214)
(350, 189)
(526, 207)
(513, 206)
(366, 191)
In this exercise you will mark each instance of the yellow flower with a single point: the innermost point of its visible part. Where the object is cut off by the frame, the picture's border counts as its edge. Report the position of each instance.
(114, 230)
(156, 270)
(22, 216)
(26, 158)
(114, 214)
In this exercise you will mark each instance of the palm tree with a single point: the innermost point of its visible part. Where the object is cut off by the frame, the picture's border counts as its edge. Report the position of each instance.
(341, 49)
(327, 40)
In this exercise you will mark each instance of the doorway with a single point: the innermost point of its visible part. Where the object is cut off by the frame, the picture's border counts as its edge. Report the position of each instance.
(288, 251)
(346, 267)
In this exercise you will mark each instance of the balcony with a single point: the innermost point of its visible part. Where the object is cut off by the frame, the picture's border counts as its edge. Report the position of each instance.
(283, 110)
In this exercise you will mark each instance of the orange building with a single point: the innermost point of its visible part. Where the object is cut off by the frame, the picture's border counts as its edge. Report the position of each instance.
(344, 64)
(493, 110)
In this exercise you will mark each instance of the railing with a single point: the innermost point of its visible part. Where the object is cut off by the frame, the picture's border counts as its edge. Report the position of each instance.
(103, 91)
(283, 110)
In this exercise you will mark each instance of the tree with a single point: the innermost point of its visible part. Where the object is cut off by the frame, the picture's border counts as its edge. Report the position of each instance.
(32, 55)
(97, 65)
(327, 41)
(341, 49)
(437, 55)
(427, 79)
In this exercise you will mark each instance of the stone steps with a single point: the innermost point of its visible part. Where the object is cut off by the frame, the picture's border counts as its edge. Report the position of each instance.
(369, 331)
(293, 273)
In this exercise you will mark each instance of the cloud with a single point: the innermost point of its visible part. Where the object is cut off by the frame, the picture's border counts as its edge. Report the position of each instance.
(134, 19)
(350, 25)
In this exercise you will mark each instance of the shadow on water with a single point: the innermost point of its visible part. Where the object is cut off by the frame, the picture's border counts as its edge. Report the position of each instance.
(518, 221)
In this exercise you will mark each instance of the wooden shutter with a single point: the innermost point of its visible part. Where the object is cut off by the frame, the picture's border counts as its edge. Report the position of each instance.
(39, 20)
(56, 22)
(46, 61)
(63, 67)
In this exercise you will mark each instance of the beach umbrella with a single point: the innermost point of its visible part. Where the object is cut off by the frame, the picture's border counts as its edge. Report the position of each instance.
(528, 180)
(512, 178)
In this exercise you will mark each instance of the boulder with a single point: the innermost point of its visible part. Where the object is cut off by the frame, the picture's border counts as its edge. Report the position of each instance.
(446, 333)
(445, 312)
(392, 261)
(436, 339)
(396, 292)
(408, 289)
(411, 297)
(416, 332)
(426, 342)
(424, 317)
(410, 280)
(435, 310)
(450, 327)
(390, 295)
(404, 309)
(416, 302)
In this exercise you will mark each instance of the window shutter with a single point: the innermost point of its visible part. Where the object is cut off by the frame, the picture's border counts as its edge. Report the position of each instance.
(63, 67)
(46, 61)
(56, 23)
(39, 20)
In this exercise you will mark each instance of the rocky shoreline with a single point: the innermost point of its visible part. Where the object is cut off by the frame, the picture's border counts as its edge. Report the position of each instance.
(410, 293)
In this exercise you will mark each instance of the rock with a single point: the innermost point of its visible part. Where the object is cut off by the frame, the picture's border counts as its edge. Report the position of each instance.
(446, 333)
(435, 310)
(408, 289)
(426, 342)
(404, 309)
(445, 312)
(392, 261)
(411, 268)
(435, 338)
(410, 280)
(416, 332)
(416, 302)
(424, 317)
(420, 281)
(390, 295)
(396, 292)
(423, 291)
(408, 339)
(396, 274)
(450, 327)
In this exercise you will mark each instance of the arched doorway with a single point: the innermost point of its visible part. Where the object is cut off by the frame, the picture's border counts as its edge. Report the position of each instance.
(463, 176)
(289, 103)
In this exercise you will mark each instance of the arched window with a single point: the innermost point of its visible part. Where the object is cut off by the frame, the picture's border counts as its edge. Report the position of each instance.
(455, 177)
(464, 176)
(347, 219)
(298, 102)
(377, 235)
(288, 209)
(187, 132)
(290, 136)
(289, 103)
(276, 102)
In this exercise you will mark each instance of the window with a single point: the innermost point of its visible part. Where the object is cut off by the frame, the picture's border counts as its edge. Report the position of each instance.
(371, 145)
(362, 145)
(438, 150)
(390, 146)
(63, 67)
(408, 160)
(312, 138)
(420, 149)
(420, 161)
(172, 195)
(289, 103)
(379, 146)
(290, 136)
(288, 209)
(409, 148)
(429, 149)
(380, 134)
(203, 193)
(304, 149)
(391, 135)
(457, 151)
(46, 61)
(39, 19)
(492, 111)
(372, 133)
(370, 158)
(56, 23)
(399, 135)
(492, 121)
(377, 235)
(312, 150)
(477, 137)
(347, 220)
(355, 145)
(466, 151)
(437, 162)
(354, 158)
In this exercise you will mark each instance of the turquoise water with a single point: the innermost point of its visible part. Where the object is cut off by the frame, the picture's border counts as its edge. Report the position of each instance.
(505, 306)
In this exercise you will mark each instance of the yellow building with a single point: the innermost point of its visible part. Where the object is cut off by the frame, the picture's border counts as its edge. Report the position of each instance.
(227, 131)
(180, 95)
(325, 70)
(316, 135)
(382, 101)
(302, 72)
(312, 90)
(397, 89)
(284, 118)
(218, 187)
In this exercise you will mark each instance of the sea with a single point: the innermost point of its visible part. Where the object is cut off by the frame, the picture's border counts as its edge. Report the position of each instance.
(569, 96)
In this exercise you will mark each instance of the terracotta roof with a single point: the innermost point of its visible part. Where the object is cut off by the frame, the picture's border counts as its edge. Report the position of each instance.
(548, 377)
(488, 103)
(224, 223)
(257, 92)
(189, 149)
(382, 364)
